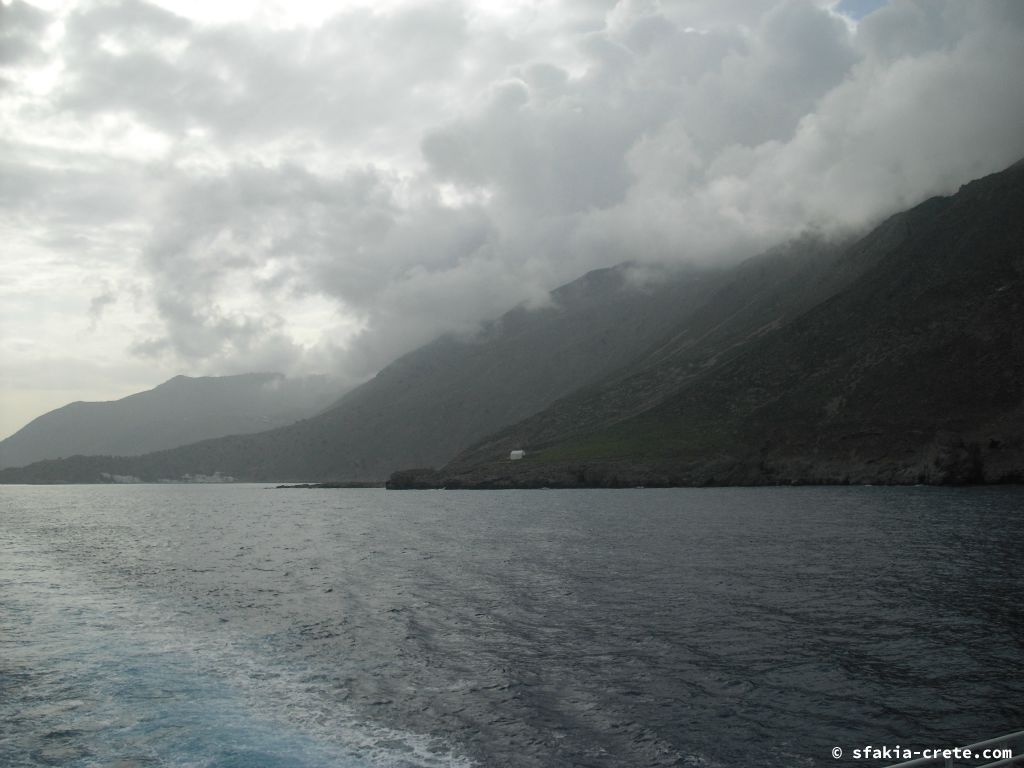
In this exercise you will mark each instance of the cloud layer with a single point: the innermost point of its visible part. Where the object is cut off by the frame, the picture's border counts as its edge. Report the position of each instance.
(314, 192)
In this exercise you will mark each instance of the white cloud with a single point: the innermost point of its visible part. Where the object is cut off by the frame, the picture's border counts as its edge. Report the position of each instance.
(216, 187)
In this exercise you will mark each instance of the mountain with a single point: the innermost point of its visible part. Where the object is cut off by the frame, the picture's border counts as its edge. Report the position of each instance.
(433, 402)
(894, 357)
(179, 411)
(910, 371)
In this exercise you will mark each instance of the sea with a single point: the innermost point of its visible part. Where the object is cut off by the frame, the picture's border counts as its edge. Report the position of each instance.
(243, 626)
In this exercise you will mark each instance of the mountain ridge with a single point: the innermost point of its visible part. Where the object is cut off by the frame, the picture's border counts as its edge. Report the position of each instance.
(430, 403)
(176, 412)
(891, 357)
(912, 373)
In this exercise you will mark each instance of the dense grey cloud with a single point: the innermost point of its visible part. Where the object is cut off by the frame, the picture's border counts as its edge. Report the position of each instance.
(327, 193)
(21, 26)
(355, 75)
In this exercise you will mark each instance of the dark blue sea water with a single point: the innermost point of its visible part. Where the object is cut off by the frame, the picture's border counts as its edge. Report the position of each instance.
(245, 627)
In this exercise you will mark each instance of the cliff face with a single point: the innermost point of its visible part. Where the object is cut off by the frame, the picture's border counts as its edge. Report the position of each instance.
(911, 372)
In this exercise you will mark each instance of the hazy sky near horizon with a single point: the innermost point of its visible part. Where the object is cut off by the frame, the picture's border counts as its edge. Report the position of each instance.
(304, 186)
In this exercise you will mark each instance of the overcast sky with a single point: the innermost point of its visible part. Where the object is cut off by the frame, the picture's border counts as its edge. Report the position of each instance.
(201, 187)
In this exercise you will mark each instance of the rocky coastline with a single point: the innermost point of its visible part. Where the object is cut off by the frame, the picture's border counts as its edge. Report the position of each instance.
(947, 461)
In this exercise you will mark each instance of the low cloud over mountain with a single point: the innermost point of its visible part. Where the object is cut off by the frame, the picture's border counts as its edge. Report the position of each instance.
(295, 191)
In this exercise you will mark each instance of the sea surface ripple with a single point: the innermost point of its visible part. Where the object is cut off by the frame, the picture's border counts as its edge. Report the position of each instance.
(238, 626)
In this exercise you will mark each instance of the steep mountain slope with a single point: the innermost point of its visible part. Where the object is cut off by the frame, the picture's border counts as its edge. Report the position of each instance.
(179, 411)
(758, 297)
(433, 402)
(914, 372)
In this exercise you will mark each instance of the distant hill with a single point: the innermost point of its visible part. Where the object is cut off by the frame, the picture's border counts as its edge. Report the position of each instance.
(911, 372)
(433, 402)
(179, 411)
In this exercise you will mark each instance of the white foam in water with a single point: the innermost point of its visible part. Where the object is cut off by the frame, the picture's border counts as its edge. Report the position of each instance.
(93, 679)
